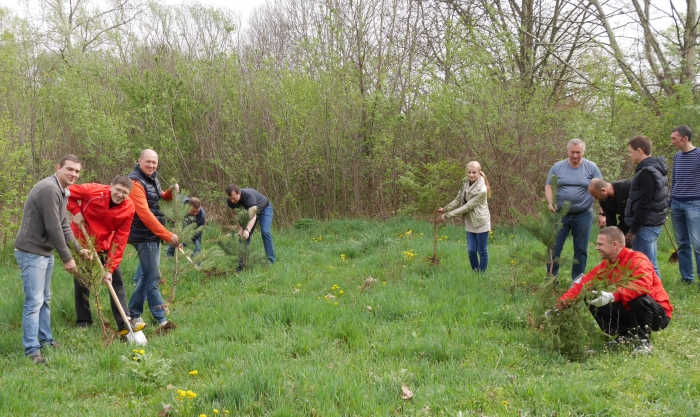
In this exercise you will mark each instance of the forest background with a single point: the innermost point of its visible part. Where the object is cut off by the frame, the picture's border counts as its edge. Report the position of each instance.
(333, 109)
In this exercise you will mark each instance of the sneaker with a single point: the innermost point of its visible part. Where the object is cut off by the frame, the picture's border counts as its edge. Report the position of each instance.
(163, 323)
(137, 324)
(620, 340)
(643, 348)
(36, 357)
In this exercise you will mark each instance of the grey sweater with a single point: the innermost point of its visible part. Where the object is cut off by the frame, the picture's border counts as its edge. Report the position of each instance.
(44, 222)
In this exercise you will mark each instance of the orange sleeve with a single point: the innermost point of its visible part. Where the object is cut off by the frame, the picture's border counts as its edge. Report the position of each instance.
(138, 196)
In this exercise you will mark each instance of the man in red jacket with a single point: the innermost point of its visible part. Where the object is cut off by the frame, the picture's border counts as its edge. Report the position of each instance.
(107, 212)
(633, 310)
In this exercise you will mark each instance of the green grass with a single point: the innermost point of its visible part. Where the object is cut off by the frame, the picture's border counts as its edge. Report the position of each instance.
(268, 342)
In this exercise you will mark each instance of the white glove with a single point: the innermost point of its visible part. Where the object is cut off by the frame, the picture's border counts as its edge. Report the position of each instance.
(550, 313)
(603, 299)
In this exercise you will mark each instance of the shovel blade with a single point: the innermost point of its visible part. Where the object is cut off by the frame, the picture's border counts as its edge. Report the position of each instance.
(137, 337)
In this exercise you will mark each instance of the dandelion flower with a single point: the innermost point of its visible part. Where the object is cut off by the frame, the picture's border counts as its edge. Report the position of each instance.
(134, 358)
(342, 256)
(202, 415)
(226, 411)
(341, 292)
(142, 352)
(216, 411)
(194, 372)
(191, 394)
(383, 282)
(298, 285)
(181, 393)
(136, 351)
(504, 403)
(335, 304)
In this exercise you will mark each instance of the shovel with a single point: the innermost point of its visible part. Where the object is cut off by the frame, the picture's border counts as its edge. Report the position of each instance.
(137, 337)
(674, 255)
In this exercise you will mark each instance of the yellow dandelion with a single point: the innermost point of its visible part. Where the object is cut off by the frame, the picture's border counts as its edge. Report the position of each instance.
(136, 351)
(134, 358)
(341, 292)
(142, 352)
(421, 234)
(335, 304)
(298, 285)
(342, 256)
(318, 298)
(215, 411)
(191, 394)
(504, 403)
(202, 415)
(181, 393)
(383, 282)
(194, 372)
(226, 411)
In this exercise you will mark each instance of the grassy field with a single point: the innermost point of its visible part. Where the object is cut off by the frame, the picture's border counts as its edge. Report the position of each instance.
(302, 338)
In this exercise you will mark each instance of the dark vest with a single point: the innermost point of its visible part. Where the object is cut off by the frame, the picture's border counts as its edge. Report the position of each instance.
(139, 231)
(659, 204)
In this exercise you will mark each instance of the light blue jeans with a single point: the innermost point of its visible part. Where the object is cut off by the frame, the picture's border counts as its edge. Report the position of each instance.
(265, 221)
(477, 247)
(645, 242)
(686, 227)
(579, 225)
(36, 271)
(147, 287)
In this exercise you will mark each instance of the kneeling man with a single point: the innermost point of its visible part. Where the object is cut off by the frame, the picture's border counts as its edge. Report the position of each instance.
(633, 310)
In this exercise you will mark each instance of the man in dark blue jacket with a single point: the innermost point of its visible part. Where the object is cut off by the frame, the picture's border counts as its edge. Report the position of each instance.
(195, 215)
(645, 212)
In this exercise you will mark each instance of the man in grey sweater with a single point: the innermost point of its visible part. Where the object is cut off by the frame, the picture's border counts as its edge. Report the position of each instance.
(44, 227)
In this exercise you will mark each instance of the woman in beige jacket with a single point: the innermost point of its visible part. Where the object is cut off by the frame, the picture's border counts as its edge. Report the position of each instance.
(471, 204)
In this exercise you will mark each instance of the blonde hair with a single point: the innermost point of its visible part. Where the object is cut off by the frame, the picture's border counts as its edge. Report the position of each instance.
(477, 166)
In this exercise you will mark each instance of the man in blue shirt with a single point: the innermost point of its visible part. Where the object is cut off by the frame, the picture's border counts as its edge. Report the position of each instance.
(574, 174)
(685, 201)
(261, 212)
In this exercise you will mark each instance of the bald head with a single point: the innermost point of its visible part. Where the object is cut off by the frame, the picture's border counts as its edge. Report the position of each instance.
(600, 189)
(148, 161)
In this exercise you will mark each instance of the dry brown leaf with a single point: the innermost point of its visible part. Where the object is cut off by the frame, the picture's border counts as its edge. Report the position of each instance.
(369, 281)
(406, 393)
(165, 411)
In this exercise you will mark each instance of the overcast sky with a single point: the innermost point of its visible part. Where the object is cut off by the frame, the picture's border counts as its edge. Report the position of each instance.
(241, 6)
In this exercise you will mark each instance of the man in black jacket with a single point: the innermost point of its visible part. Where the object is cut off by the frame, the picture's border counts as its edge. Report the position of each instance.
(612, 198)
(645, 212)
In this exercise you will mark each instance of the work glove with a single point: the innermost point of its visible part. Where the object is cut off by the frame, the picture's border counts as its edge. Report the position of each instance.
(551, 312)
(629, 237)
(604, 298)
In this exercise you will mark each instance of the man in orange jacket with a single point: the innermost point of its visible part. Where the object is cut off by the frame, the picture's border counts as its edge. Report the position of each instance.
(147, 230)
(106, 212)
(633, 310)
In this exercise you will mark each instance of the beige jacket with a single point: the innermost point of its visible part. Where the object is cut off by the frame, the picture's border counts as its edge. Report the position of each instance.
(471, 203)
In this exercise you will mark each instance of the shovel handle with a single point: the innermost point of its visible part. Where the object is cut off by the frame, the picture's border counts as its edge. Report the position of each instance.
(183, 252)
(109, 284)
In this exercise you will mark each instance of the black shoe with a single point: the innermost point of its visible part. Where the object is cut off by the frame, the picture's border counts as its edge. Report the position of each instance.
(238, 269)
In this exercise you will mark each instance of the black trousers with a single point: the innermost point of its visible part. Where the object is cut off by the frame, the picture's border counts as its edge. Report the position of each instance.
(644, 316)
(82, 299)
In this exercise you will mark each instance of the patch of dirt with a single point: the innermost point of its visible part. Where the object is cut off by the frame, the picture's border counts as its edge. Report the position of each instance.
(162, 331)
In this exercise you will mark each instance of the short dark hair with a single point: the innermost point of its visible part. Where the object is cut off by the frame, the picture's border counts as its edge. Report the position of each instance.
(613, 234)
(123, 180)
(194, 202)
(684, 130)
(640, 142)
(68, 157)
(233, 188)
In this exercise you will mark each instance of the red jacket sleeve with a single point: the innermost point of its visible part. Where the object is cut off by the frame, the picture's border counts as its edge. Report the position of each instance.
(575, 289)
(120, 238)
(138, 196)
(77, 193)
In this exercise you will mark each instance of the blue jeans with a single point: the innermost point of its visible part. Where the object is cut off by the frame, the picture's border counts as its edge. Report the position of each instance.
(686, 227)
(170, 251)
(36, 271)
(645, 242)
(478, 252)
(265, 221)
(147, 287)
(579, 225)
